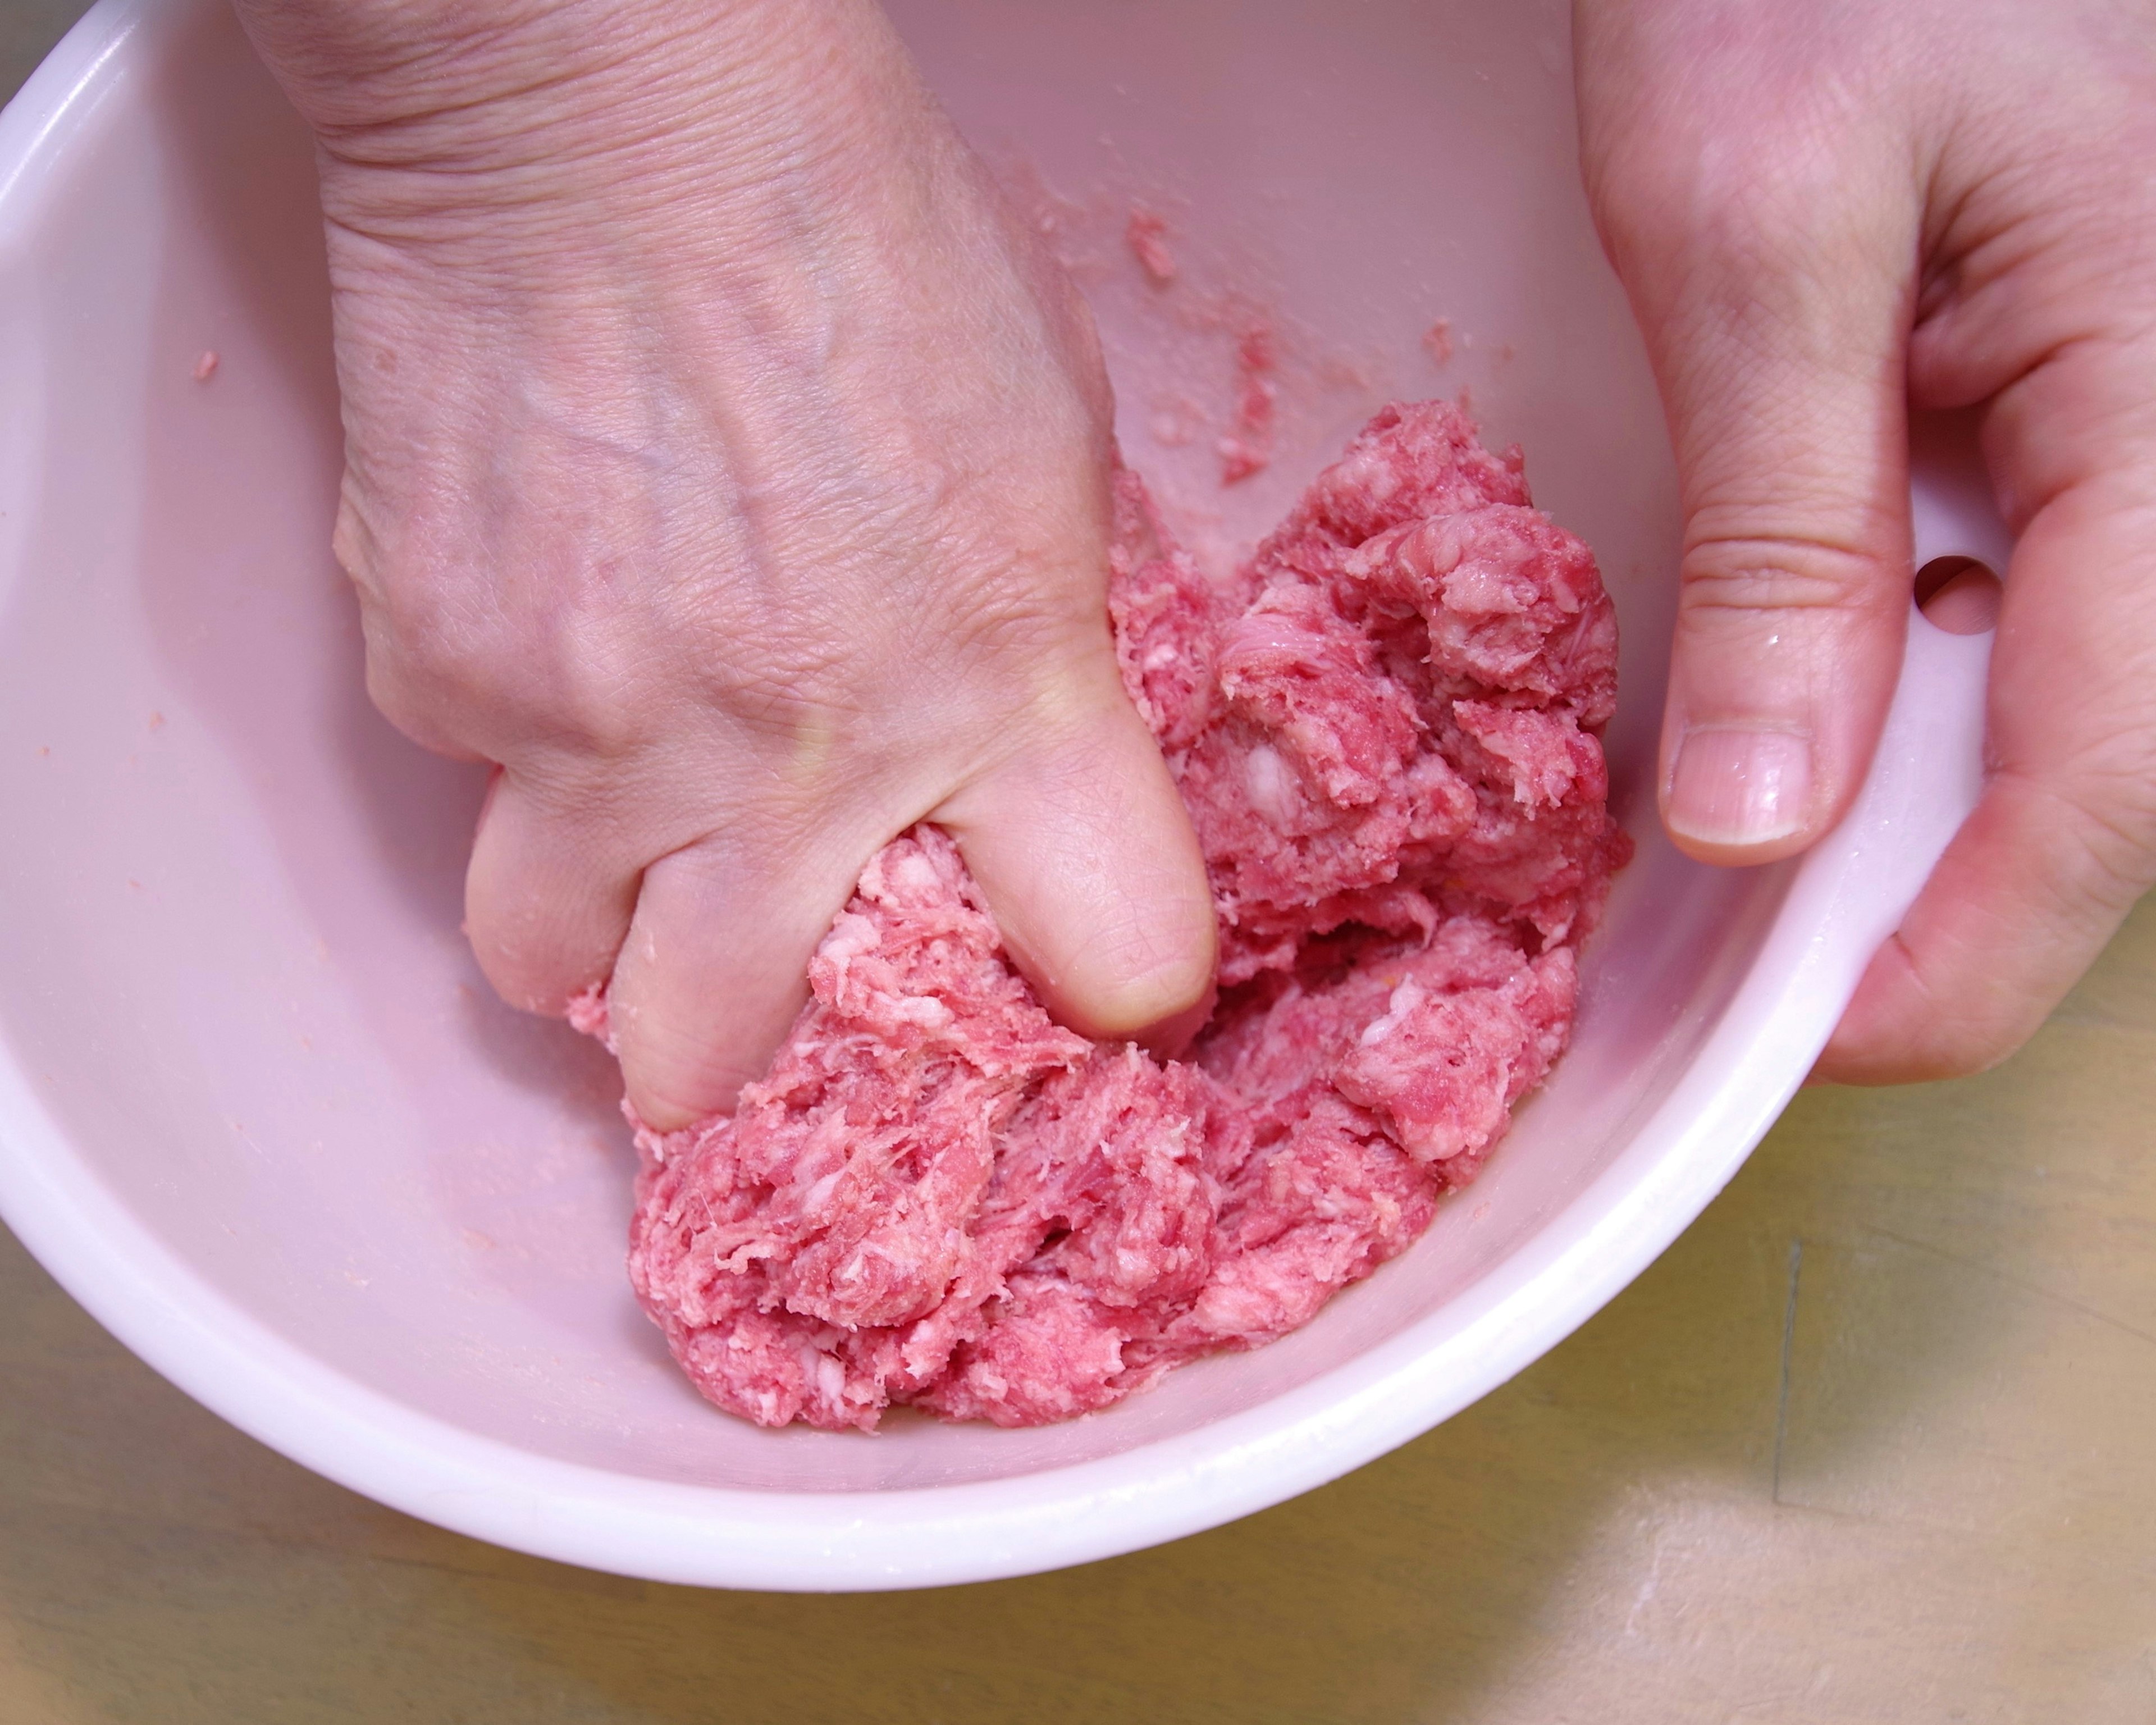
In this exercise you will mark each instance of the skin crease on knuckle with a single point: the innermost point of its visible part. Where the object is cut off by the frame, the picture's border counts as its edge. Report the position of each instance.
(1766, 578)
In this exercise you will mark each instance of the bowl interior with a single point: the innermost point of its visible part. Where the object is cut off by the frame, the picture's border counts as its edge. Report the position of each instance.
(229, 953)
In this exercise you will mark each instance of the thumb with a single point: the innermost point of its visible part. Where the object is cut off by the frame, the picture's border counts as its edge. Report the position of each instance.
(1087, 860)
(1775, 305)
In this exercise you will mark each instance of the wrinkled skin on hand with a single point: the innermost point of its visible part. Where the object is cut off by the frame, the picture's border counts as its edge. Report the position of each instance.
(727, 466)
(1828, 211)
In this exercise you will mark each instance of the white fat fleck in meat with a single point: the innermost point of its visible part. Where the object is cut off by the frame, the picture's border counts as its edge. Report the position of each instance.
(915, 874)
(923, 1009)
(1404, 999)
(851, 937)
(1477, 589)
(1269, 783)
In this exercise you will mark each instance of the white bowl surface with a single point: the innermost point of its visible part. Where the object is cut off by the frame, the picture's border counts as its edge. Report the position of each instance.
(259, 1111)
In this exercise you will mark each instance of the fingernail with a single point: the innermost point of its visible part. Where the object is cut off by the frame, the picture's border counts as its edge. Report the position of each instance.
(1740, 787)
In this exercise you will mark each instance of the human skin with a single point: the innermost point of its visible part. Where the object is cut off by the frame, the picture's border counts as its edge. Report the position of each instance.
(1827, 212)
(727, 466)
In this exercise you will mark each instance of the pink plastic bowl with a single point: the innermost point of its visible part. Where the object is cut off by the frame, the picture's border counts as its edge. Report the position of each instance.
(258, 1111)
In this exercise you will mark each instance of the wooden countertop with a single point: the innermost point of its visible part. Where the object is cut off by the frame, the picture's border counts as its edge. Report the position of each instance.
(1875, 1441)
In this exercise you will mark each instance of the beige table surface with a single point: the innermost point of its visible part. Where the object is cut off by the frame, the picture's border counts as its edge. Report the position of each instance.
(1875, 1441)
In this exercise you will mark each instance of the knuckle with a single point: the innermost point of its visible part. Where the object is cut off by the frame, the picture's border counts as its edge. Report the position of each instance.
(422, 662)
(404, 693)
(1014, 631)
(450, 652)
(1752, 229)
(396, 700)
(1780, 573)
(1660, 191)
(1789, 150)
(513, 970)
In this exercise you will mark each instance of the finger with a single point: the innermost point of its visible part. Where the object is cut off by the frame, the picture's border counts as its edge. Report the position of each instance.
(2064, 840)
(1775, 300)
(1085, 856)
(715, 968)
(547, 898)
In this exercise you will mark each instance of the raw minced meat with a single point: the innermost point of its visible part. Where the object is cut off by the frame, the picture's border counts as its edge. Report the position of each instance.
(1385, 727)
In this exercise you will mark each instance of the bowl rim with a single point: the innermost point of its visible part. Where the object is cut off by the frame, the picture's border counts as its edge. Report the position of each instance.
(1837, 903)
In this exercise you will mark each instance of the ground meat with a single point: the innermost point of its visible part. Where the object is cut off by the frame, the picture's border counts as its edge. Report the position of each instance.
(1247, 447)
(1386, 729)
(1145, 235)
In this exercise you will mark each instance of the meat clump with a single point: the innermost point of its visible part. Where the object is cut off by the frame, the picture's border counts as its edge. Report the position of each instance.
(1387, 729)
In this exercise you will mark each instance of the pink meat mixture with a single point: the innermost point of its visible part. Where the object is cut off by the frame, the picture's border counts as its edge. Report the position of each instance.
(1386, 729)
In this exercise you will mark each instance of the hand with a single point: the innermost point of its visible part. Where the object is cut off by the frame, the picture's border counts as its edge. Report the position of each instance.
(1827, 212)
(728, 466)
